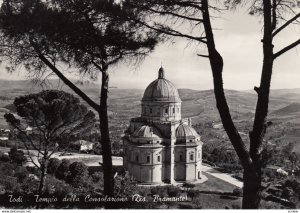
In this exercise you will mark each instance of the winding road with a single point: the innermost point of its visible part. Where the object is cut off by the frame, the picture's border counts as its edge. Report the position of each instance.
(223, 176)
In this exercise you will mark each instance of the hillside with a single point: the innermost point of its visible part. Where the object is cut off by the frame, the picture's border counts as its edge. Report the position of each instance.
(124, 104)
(200, 105)
(291, 108)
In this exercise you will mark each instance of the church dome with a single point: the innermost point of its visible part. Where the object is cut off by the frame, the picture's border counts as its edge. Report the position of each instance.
(184, 131)
(146, 132)
(161, 90)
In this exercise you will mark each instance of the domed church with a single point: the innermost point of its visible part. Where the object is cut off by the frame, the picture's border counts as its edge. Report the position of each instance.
(160, 146)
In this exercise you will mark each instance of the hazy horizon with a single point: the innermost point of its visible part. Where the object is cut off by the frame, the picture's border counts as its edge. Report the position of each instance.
(133, 88)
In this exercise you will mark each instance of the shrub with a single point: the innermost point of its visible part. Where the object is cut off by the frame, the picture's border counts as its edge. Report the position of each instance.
(17, 156)
(63, 170)
(53, 166)
(21, 173)
(193, 193)
(57, 187)
(30, 185)
(78, 175)
(4, 157)
(159, 190)
(188, 185)
(124, 186)
(287, 192)
(237, 191)
(10, 184)
(173, 191)
(97, 176)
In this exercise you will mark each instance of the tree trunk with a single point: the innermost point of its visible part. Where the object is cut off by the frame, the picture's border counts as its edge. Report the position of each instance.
(102, 111)
(252, 169)
(259, 127)
(42, 177)
(105, 139)
(216, 62)
(43, 169)
(251, 189)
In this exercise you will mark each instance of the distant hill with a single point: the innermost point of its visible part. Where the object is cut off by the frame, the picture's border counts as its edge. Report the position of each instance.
(291, 108)
(200, 105)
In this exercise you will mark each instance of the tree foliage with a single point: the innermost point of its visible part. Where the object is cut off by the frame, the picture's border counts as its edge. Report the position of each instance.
(17, 156)
(86, 36)
(62, 171)
(78, 175)
(53, 165)
(53, 117)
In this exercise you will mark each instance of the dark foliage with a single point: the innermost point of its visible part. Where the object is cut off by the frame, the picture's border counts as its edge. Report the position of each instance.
(62, 171)
(53, 165)
(78, 175)
(17, 156)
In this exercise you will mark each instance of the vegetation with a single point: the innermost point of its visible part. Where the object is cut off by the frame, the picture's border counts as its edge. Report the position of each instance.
(105, 38)
(17, 156)
(198, 15)
(53, 117)
(110, 33)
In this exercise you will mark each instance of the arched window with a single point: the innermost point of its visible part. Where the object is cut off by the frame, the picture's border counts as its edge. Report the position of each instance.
(137, 157)
(191, 156)
(148, 158)
(158, 158)
(166, 110)
(150, 110)
(180, 157)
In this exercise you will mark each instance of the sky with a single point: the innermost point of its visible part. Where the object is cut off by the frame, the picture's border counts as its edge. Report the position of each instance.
(238, 39)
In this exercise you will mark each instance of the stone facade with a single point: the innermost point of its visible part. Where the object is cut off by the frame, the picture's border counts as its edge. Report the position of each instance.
(160, 146)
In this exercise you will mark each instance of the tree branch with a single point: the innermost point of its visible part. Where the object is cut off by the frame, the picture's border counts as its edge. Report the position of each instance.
(175, 14)
(97, 66)
(171, 32)
(285, 49)
(78, 91)
(286, 24)
(205, 56)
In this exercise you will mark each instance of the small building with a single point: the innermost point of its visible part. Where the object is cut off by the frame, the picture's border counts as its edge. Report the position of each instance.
(160, 146)
(4, 139)
(29, 130)
(84, 145)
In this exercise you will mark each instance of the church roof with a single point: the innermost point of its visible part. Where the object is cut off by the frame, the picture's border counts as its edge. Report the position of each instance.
(184, 130)
(161, 90)
(146, 132)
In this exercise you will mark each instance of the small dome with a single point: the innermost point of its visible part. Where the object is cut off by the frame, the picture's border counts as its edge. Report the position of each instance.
(184, 131)
(161, 90)
(146, 132)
